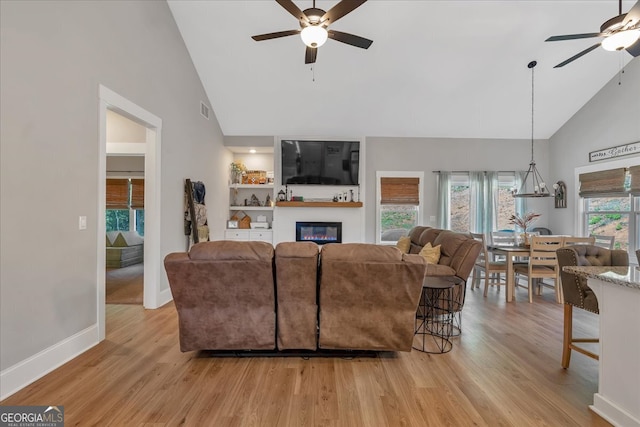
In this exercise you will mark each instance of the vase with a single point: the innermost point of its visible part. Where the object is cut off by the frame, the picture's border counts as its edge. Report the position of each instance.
(236, 177)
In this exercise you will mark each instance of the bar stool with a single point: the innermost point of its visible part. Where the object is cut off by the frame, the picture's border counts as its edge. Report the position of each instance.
(435, 314)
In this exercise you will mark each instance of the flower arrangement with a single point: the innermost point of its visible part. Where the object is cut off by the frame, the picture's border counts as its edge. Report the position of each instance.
(238, 167)
(525, 220)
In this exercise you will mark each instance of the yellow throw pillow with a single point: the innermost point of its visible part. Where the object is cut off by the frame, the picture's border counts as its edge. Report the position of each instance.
(430, 254)
(404, 243)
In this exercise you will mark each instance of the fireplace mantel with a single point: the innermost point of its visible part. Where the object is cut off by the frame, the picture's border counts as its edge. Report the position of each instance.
(319, 204)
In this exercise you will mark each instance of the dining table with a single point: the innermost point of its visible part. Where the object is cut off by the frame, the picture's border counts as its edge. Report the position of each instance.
(510, 253)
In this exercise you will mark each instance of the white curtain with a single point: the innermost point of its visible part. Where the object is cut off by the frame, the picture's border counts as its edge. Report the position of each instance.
(483, 193)
(444, 210)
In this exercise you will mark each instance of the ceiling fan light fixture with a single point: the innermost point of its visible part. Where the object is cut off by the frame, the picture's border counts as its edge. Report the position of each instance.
(314, 35)
(621, 40)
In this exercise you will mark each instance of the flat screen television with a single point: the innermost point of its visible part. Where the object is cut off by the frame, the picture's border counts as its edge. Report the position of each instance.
(320, 162)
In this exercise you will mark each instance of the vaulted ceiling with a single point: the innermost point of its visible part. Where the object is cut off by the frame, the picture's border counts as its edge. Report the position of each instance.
(435, 68)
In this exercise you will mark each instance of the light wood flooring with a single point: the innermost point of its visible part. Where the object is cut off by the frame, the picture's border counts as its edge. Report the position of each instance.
(503, 371)
(125, 285)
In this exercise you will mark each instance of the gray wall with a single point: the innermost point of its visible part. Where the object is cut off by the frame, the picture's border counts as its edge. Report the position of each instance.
(433, 154)
(610, 118)
(54, 54)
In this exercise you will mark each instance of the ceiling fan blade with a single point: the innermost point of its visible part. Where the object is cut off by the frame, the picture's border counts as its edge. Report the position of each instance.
(574, 57)
(634, 49)
(572, 37)
(293, 9)
(310, 55)
(275, 35)
(351, 39)
(633, 14)
(341, 9)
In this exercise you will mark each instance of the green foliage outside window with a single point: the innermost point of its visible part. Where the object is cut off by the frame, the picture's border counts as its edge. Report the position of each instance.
(117, 219)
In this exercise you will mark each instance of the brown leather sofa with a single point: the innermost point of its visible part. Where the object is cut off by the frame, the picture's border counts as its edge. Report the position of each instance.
(225, 295)
(351, 296)
(458, 254)
(368, 297)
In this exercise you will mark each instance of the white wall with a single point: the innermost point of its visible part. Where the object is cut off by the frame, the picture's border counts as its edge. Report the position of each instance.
(434, 154)
(54, 55)
(610, 118)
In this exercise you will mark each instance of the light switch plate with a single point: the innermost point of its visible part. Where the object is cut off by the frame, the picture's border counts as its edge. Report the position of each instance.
(82, 222)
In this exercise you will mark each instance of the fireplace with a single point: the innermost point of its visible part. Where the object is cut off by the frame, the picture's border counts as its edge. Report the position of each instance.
(319, 232)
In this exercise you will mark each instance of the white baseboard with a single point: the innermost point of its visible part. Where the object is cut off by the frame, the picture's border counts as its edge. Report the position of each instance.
(164, 297)
(23, 373)
(612, 412)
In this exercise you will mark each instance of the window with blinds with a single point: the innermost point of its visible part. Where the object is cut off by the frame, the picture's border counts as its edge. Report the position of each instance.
(603, 183)
(399, 204)
(399, 191)
(117, 194)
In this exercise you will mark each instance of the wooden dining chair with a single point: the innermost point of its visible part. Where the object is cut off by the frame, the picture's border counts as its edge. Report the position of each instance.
(543, 264)
(570, 240)
(487, 269)
(605, 241)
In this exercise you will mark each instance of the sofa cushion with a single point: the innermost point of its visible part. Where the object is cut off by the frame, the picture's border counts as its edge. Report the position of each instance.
(221, 250)
(360, 252)
(132, 238)
(119, 241)
(404, 244)
(111, 237)
(431, 254)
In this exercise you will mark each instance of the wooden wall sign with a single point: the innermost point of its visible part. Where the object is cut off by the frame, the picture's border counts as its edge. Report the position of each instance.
(618, 151)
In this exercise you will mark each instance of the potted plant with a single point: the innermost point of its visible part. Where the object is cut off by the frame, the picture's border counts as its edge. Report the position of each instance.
(524, 222)
(237, 168)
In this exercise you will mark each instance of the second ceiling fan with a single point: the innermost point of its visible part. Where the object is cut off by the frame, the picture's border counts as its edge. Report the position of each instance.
(620, 32)
(314, 23)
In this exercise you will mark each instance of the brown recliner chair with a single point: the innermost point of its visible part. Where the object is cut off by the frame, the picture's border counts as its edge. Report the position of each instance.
(368, 297)
(578, 294)
(224, 295)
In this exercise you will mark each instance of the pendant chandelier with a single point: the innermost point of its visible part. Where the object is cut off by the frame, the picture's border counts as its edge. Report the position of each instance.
(532, 180)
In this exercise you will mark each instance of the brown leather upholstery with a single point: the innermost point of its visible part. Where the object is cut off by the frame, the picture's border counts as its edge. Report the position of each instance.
(224, 295)
(578, 294)
(368, 297)
(297, 282)
(576, 291)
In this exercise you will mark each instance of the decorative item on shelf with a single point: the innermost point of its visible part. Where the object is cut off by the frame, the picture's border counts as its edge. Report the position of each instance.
(267, 201)
(244, 220)
(537, 186)
(523, 222)
(282, 197)
(237, 169)
(254, 201)
(351, 191)
(560, 190)
(232, 223)
(254, 177)
(297, 199)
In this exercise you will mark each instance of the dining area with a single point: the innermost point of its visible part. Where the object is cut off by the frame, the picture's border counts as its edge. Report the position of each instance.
(508, 258)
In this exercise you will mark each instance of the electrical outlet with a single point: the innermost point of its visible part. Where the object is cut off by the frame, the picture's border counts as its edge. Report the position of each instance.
(82, 222)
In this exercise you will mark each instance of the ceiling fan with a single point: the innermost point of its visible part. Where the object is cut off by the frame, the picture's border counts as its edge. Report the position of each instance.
(620, 32)
(314, 23)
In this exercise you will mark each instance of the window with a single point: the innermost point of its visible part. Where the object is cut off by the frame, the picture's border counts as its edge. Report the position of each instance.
(125, 205)
(465, 212)
(399, 204)
(609, 216)
(611, 206)
(460, 202)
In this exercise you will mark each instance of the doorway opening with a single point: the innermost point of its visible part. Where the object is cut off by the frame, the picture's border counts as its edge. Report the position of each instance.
(113, 107)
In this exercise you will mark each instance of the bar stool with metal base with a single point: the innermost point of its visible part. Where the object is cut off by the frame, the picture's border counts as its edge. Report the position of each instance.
(435, 314)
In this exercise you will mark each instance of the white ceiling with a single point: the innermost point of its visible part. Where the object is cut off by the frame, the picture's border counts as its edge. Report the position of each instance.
(435, 68)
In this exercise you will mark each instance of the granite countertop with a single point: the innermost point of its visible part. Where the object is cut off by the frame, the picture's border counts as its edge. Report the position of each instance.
(623, 276)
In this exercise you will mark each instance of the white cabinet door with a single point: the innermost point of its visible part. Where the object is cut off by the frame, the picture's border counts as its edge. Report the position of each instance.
(236, 234)
(261, 235)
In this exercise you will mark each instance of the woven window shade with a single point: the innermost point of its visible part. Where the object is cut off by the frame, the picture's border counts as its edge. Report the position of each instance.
(400, 191)
(603, 183)
(137, 194)
(117, 193)
(634, 171)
